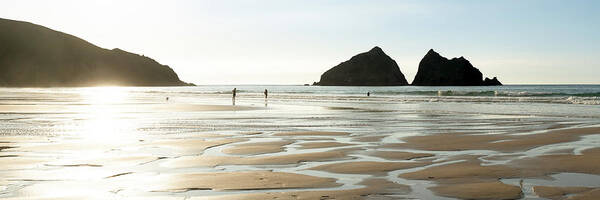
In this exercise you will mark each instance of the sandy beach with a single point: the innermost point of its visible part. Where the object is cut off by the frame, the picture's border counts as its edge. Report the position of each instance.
(183, 150)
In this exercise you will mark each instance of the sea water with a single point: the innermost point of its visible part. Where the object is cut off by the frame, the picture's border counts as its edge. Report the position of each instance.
(555, 101)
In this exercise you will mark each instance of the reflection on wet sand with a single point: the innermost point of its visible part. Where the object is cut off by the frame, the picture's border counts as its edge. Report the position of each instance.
(257, 148)
(108, 150)
(212, 161)
(46, 166)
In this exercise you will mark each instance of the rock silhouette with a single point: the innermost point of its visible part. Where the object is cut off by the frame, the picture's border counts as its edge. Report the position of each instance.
(36, 56)
(491, 82)
(372, 68)
(435, 70)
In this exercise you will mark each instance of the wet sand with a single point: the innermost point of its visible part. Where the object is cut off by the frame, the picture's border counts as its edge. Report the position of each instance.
(316, 145)
(252, 180)
(366, 167)
(312, 133)
(257, 148)
(194, 146)
(213, 161)
(400, 155)
(14, 162)
(373, 188)
(232, 152)
(459, 176)
(496, 142)
(587, 163)
(460, 172)
(483, 190)
(461, 179)
(561, 192)
(175, 107)
(587, 195)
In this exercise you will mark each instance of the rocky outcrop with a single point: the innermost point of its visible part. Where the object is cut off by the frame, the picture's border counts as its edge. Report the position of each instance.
(36, 56)
(435, 70)
(491, 82)
(372, 68)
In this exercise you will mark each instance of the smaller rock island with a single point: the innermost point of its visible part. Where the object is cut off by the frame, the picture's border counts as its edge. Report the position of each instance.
(491, 82)
(435, 70)
(372, 68)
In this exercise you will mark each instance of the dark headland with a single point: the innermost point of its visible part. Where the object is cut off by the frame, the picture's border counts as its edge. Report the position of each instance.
(372, 68)
(435, 70)
(36, 56)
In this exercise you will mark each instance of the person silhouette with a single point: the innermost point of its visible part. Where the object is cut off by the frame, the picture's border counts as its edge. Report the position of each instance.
(266, 93)
(234, 91)
(368, 94)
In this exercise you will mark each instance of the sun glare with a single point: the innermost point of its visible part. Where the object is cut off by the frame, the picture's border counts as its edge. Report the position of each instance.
(104, 114)
(104, 95)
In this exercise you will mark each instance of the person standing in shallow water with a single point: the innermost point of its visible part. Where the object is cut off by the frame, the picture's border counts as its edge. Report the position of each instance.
(234, 91)
(266, 95)
(368, 94)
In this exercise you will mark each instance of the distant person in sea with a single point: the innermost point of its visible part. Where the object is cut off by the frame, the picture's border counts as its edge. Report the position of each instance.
(234, 91)
(167, 99)
(368, 94)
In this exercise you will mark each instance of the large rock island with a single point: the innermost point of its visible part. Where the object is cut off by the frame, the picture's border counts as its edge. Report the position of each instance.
(36, 56)
(372, 68)
(435, 70)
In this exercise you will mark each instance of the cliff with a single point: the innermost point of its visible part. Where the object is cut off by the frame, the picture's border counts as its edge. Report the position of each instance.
(372, 68)
(435, 70)
(36, 56)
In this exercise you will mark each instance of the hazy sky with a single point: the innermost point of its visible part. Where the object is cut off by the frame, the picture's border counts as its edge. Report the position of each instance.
(293, 42)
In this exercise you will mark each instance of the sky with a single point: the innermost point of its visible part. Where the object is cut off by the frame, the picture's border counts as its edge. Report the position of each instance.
(294, 42)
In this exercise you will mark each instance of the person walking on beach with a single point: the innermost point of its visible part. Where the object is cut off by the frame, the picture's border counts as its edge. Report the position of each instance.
(234, 91)
(368, 94)
(266, 93)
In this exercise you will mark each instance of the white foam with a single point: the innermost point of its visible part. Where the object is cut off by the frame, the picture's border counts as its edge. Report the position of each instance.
(583, 100)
